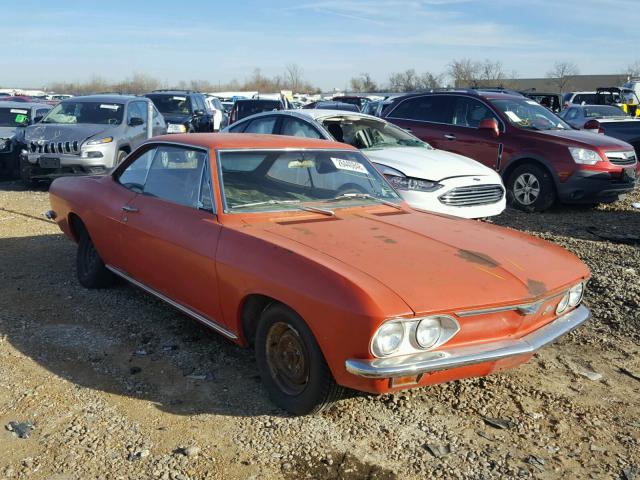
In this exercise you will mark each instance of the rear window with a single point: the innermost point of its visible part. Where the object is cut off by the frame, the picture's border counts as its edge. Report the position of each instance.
(245, 109)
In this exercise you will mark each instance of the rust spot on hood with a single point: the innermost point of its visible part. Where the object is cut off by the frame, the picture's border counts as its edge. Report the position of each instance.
(536, 288)
(477, 257)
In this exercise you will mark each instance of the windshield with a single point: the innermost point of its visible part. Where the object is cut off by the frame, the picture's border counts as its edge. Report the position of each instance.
(13, 117)
(530, 114)
(368, 134)
(172, 104)
(103, 113)
(257, 181)
(603, 112)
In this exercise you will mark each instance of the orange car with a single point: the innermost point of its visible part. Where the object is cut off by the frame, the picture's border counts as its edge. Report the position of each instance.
(301, 248)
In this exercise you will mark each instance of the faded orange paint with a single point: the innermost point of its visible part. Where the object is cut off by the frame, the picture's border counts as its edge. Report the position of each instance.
(344, 275)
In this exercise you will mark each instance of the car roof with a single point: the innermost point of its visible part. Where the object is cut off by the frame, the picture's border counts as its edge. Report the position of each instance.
(317, 113)
(223, 141)
(24, 105)
(103, 97)
(497, 95)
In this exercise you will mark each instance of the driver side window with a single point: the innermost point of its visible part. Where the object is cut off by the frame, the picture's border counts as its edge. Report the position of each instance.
(135, 175)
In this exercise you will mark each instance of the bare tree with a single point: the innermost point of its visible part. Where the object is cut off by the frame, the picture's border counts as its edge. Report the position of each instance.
(294, 77)
(561, 74)
(428, 81)
(363, 83)
(464, 72)
(491, 73)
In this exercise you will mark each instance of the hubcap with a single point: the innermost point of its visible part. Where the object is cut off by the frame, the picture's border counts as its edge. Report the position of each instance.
(526, 189)
(287, 358)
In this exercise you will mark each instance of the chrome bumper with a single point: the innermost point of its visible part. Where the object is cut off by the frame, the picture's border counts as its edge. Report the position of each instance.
(454, 357)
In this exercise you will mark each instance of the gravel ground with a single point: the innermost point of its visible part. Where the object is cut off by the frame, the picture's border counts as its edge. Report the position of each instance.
(117, 385)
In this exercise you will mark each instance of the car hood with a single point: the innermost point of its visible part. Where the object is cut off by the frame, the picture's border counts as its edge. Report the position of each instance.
(7, 132)
(428, 164)
(434, 263)
(63, 132)
(588, 138)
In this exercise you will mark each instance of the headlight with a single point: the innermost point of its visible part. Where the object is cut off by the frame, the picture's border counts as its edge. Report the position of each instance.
(387, 339)
(415, 184)
(428, 332)
(564, 303)
(176, 128)
(575, 294)
(585, 156)
(100, 141)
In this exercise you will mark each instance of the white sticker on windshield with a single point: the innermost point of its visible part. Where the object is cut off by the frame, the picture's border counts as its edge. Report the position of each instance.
(350, 165)
(532, 102)
(17, 110)
(513, 116)
(181, 99)
(109, 107)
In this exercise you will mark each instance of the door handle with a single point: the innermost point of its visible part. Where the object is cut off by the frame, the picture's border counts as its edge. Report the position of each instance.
(448, 136)
(127, 208)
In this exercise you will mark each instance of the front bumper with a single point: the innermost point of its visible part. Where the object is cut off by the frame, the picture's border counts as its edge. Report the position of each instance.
(591, 186)
(73, 164)
(419, 363)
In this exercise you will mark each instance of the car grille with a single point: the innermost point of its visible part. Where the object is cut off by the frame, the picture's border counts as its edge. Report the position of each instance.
(473, 195)
(55, 147)
(622, 158)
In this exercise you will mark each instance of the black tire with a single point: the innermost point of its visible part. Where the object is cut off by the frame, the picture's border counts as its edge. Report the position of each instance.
(281, 335)
(90, 268)
(122, 154)
(531, 188)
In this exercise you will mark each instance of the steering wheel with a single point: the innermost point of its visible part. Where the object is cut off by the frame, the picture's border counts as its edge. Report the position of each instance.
(350, 188)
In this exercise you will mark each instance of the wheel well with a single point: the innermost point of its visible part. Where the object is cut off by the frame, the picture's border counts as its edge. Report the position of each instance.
(523, 161)
(76, 226)
(252, 306)
(125, 148)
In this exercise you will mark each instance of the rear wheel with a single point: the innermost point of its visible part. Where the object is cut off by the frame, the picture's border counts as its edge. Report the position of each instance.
(531, 188)
(291, 363)
(90, 268)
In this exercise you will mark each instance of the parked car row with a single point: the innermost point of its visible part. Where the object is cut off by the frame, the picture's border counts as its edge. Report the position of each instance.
(301, 248)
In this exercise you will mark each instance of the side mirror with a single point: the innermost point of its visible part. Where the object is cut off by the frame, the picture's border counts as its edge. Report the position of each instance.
(490, 124)
(38, 118)
(198, 113)
(136, 121)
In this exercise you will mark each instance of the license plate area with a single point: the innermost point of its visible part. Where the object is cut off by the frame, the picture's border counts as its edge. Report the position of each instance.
(49, 162)
(630, 173)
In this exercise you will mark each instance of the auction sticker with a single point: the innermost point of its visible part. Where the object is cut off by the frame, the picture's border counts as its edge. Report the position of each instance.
(352, 166)
(109, 107)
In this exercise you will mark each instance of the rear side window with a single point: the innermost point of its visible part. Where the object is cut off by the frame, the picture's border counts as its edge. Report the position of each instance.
(433, 108)
(584, 98)
(261, 125)
(298, 128)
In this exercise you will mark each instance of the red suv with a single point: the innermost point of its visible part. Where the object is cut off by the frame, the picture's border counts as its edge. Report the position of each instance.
(540, 157)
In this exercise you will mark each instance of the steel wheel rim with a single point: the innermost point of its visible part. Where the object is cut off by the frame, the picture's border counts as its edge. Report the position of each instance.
(526, 188)
(287, 358)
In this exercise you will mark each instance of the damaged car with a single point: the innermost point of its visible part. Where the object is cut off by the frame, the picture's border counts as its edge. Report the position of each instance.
(86, 136)
(270, 246)
(425, 177)
(15, 117)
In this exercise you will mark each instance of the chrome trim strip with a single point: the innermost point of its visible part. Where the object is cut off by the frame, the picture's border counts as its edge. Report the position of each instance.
(524, 308)
(209, 323)
(455, 357)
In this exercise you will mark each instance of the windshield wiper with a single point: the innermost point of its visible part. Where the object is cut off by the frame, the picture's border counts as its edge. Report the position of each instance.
(348, 196)
(293, 203)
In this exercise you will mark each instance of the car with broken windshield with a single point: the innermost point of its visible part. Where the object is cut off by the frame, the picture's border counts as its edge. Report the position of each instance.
(540, 157)
(86, 136)
(427, 178)
(301, 248)
(14, 118)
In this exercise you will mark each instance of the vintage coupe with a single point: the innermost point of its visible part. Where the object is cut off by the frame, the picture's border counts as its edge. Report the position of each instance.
(300, 247)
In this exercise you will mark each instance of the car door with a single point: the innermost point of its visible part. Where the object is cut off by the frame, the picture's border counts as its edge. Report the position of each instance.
(463, 135)
(136, 132)
(170, 231)
(424, 116)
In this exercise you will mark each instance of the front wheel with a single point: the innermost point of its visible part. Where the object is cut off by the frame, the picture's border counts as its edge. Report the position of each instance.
(530, 188)
(291, 363)
(92, 273)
